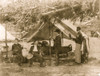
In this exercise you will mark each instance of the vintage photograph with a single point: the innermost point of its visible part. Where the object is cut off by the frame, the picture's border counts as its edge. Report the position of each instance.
(49, 37)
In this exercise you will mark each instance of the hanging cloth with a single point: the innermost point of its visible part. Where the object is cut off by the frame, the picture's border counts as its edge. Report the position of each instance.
(35, 48)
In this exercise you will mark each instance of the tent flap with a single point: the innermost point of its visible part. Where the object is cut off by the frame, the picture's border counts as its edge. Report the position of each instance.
(2, 34)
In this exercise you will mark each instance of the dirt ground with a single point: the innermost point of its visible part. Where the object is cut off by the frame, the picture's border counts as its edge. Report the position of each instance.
(92, 68)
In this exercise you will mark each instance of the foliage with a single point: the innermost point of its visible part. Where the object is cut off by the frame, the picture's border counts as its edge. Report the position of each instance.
(26, 13)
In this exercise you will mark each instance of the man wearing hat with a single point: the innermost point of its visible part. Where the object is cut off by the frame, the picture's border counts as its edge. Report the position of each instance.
(57, 45)
(17, 51)
(78, 40)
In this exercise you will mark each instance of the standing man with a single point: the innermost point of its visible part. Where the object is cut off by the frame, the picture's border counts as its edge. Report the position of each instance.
(17, 51)
(57, 45)
(79, 39)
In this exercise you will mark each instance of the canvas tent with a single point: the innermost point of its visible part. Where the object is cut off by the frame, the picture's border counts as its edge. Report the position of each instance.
(2, 34)
(45, 30)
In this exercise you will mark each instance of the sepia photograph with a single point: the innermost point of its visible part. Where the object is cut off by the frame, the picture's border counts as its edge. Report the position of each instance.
(49, 37)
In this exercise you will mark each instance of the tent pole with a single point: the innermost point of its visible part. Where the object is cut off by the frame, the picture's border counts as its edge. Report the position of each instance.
(62, 38)
(6, 41)
(50, 43)
(99, 9)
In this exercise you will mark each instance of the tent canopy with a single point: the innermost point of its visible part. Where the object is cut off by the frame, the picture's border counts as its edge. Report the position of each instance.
(43, 32)
(2, 34)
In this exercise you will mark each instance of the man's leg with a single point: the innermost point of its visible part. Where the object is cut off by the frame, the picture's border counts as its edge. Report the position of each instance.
(19, 60)
(40, 59)
(30, 62)
(57, 56)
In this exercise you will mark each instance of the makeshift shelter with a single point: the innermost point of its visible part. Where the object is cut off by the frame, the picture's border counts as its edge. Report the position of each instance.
(45, 30)
(2, 34)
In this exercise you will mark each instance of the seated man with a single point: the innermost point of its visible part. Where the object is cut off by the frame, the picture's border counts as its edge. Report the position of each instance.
(36, 55)
(17, 51)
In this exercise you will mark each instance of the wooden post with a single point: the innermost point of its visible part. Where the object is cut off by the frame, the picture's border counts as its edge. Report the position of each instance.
(6, 41)
(50, 43)
(99, 9)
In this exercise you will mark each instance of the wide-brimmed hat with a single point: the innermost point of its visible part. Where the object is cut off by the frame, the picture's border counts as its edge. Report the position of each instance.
(17, 39)
(57, 30)
(78, 28)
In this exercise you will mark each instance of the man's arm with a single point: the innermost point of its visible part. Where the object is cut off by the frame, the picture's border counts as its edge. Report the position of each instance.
(31, 49)
(12, 47)
(74, 39)
(20, 46)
